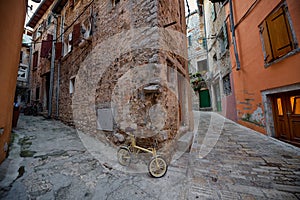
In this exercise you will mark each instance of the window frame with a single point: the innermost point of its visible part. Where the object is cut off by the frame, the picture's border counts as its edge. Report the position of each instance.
(67, 46)
(227, 87)
(72, 85)
(35, 60)
(291, 32)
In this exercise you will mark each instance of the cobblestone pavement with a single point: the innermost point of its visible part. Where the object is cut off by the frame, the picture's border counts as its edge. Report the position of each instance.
(226, 161)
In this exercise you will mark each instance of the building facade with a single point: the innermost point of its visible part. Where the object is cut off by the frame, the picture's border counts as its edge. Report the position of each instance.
(22, 94)
(11, 22)
(112, 65)
(219, 77)
(267, 81)
(197, 59)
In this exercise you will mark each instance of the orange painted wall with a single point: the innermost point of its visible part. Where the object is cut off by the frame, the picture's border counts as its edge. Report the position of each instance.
(253, 77)
(12, 17)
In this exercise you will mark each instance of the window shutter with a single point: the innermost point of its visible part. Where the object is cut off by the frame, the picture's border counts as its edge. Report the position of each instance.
(76, 34)
(280, 34)
(225, 35)
(46, 46)
(268, 56)
(58, 50)
(35, 59)
(44, 49)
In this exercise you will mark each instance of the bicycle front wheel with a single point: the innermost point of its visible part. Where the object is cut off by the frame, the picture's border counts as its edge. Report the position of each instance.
(124, 156)
(157, 167)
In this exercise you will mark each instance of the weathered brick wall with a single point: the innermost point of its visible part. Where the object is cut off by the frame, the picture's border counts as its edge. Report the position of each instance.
(129, 45)
(69, 63)
(38, 79)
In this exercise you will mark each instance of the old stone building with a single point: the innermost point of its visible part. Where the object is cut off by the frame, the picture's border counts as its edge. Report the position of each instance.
(22, 94)
(43, 32)
(119, 64)
(197, 59)
(219, 78)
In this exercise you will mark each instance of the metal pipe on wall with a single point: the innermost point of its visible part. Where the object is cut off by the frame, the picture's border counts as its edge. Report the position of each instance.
(238, 65)
(52, 68)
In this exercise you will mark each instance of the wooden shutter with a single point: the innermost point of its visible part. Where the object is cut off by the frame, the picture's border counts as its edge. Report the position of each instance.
(225, 35)
(44, 49)
(46, 46)
(76, 34)
(280, 33)
(58, 50)
(268, 55)
(35, 59)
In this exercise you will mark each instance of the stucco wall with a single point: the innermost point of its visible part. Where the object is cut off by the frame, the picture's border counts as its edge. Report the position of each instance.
(11, 23)
(254, 77)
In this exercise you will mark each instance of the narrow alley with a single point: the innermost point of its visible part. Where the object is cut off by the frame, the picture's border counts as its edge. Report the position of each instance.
(49, 161)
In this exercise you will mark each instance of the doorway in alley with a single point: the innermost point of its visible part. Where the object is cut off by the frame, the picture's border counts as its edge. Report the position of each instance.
(204, 99)
(286, 109)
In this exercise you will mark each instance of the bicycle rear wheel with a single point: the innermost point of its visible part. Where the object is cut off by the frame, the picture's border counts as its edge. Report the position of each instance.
(124, 156)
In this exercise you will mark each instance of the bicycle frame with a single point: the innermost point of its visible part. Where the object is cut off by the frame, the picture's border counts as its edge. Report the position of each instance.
(157, 166)
(149, 150)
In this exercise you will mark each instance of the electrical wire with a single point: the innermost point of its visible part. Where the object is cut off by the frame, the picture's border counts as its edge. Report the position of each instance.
(189, 12)
(247, 13)
(86, 7)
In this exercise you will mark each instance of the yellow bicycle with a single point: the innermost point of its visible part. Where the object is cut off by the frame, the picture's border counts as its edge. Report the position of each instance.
(157, 166)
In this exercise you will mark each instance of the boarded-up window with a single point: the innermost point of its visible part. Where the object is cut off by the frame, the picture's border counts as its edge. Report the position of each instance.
(76, 34)
(276, 35)
(35, 60)
(46, 46)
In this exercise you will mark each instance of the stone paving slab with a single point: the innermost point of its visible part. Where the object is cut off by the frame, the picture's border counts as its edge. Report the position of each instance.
(227, 161)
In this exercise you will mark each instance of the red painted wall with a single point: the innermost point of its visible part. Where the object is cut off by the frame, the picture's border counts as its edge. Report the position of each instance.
(253, 77)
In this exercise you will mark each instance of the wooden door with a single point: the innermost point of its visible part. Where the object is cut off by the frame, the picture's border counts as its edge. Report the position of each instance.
(286, 107)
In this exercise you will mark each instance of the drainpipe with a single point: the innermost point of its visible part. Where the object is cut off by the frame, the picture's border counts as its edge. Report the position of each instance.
(28, 73)
(52, 68)
(238, 65)
(58, 68)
